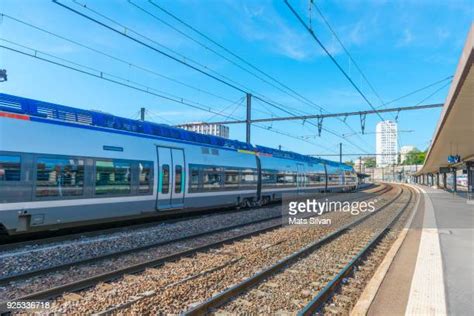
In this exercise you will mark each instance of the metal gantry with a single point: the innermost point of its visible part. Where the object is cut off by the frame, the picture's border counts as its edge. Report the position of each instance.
(320, 117)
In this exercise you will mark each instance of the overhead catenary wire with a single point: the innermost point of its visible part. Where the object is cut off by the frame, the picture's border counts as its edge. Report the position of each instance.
(313, 35)
(229, 82)
(334, 33)
(105, 75)
(233, 54)
(294, 94)
(359, 69)
(126, 32)
(419, 90)
(236, 105)
(339, 136)
(434, 92)
(123, 61)
(202, 44)
(174, 16)
(152, 114)
(383, 104)
(274, 104)
(100, 75)
(241, 59)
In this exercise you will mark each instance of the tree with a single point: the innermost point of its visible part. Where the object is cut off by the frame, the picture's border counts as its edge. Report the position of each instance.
(415, 157)
(369, 162)
(349, 163)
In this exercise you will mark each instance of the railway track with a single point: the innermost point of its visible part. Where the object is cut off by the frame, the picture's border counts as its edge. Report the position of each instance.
(29, 273)
(10, 244)
(374, 245)
(130, 270)
(200, 270)
(287, 284)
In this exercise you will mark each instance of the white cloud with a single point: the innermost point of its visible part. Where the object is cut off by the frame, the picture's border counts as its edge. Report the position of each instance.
(263, 24)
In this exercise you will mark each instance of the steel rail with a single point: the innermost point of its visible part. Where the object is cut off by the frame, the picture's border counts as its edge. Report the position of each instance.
(157, 220)
(123, 227)
(327, 292)
(28, 274)
(237, 289)
(32, 273)
(112, 275)
(37, 240)
(116, 308)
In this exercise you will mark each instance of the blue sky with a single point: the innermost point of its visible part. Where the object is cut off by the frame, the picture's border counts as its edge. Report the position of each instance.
(400, 45)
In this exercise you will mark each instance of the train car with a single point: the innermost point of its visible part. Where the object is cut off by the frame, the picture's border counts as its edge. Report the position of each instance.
(62, 167)
(287, 173)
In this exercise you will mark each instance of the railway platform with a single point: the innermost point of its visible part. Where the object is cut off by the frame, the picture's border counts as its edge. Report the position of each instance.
(431, 267)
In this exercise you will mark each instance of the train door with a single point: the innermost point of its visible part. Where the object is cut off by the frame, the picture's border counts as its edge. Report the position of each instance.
(171, 178)
(300, 177)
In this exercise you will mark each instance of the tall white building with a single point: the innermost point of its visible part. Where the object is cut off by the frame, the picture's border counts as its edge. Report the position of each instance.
(206, 128)
(386, 144)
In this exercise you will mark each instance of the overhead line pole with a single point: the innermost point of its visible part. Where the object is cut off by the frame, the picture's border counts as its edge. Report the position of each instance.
(340, 152)
(249, 118)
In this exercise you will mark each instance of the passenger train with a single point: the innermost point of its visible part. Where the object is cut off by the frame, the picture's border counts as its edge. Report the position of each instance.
(63, 167)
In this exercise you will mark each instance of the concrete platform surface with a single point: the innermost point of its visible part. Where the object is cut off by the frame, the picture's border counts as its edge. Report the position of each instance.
(433, 271)
(455, 223)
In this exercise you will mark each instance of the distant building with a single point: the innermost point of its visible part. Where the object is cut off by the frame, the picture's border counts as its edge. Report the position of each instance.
(206, 128)
(359, 164)
(386, 145)
(404, 151)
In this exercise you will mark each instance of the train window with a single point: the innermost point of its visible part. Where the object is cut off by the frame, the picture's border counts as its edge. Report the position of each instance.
(10, 168)
(165, 179)
(334, 179)
(59, 177)
(112, 177)
(178, 183)
(269, 176)
(231, 178)
(248, 178)
(194, 179)
(145, 174)
(211, 178)
(315, 178)
(286, 178)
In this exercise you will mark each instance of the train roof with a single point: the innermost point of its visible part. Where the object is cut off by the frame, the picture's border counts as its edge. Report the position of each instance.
(31, 107)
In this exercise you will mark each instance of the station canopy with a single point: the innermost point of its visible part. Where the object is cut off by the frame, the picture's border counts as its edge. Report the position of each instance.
(454, 134)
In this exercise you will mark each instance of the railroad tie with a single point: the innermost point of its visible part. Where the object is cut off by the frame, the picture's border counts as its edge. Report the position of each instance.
(334, 310)
(72, 297)
(271, 284)
(343, 299)
(104, 286)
